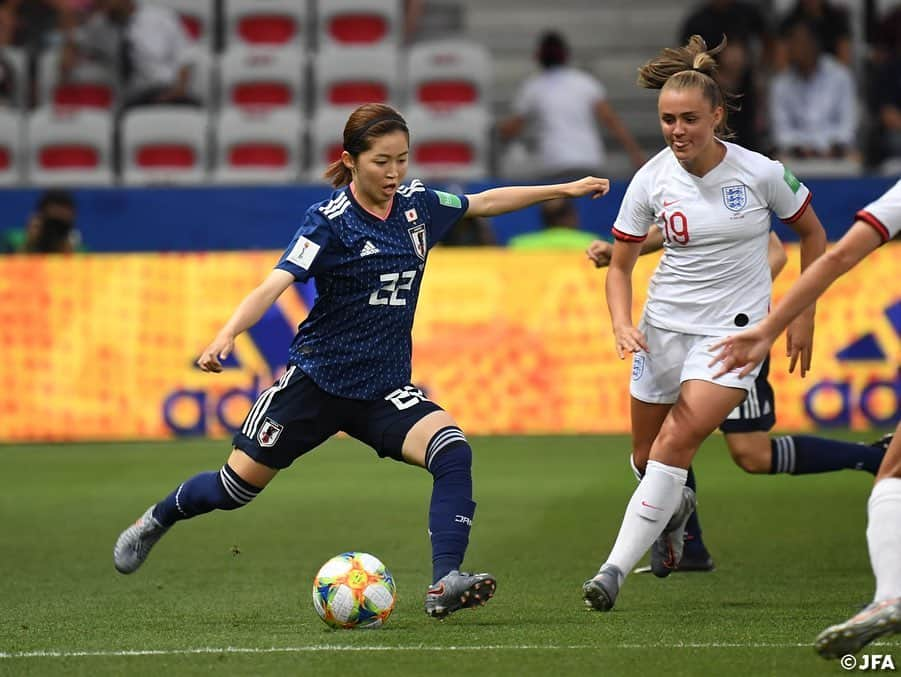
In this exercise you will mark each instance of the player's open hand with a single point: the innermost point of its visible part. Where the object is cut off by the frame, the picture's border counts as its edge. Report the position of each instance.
(629, 340)
(600, 252)
(590, 185)
(211, 358)
(743, 351)
(799, 342)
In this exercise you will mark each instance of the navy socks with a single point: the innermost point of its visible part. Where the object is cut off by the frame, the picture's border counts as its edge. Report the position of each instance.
(203, 493)
(449, 459)
(803, 454)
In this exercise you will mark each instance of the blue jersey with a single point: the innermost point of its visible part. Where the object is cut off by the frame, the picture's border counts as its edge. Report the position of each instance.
(357, 342)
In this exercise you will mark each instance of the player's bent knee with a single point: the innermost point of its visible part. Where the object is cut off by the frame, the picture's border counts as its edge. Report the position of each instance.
(448, 448)
(236, 491)
(748, 454)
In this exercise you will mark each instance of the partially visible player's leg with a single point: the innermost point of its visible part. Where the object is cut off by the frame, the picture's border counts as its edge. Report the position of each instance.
(423, 434)
(287, 420)
(883, 616)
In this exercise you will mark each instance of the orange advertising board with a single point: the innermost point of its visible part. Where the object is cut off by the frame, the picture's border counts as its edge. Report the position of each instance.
(101, 347)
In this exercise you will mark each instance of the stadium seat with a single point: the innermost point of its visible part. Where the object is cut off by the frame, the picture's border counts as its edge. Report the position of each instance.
(257, 146)
(358, 23)
(90, 84)
(272, 23)
(256, 77)
(448, 73)
(448, 144)
(204, 69)
(70, 146)
(10, 147)
(197, 16)
(353, 76)
(164, 145)
(326, 140)
(17, 62)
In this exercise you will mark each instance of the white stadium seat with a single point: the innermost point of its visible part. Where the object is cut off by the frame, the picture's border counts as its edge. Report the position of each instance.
(353, 76)
(11, 147)
(449, 73)
(164, 145)
(257, 146)
(70, 146)
(359, 23)
(449, 144)
(256, 77)
(271, 23)
(326, 140)
(197, 16)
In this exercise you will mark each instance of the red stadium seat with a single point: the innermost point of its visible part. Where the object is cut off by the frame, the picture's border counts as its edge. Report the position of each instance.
(70, 146)
(449, 144)
(449, 73)
(164, 144)
(359, 23)
(354, 76)
(254, 77)
(258, 146)
(270, 23)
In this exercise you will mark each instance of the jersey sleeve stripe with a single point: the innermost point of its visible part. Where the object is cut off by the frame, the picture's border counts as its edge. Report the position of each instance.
(798, 214)
(627, 237)
(871, 220)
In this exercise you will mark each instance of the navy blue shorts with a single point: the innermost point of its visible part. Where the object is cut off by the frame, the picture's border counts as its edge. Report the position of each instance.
(758, 412)
(295, 415)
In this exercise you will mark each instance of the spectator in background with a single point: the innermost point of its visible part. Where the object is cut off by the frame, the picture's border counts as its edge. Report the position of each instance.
(813, 103)
(471, 231)
(39, 24)
(146, 43)
(559, 229)
(565, 104)
(888, 93)
(50, 229)
(748, 38)
(829, 23)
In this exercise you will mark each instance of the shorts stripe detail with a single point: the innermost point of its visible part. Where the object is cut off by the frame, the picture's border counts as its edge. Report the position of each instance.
(442, 439)
(177, 502)
(262, 404)
(238, 493)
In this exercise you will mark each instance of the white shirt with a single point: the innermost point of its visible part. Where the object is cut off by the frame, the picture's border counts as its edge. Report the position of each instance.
(814, 112)
(560, 102)
(714, 277)
(884, 214)
(159, 44)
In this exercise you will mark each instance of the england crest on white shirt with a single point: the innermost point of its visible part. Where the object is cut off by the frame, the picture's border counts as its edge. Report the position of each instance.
(735, 197)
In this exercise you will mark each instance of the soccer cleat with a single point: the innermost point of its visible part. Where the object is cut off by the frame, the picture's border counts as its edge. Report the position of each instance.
(458, 590)
(666, 552)
(601, 591)
(876, 620)
(134, 543)
(696, 561)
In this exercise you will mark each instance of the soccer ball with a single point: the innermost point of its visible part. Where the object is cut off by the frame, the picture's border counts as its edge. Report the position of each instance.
(354, 590)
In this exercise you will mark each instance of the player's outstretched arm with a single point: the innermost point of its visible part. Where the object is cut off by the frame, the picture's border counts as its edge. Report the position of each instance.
(749, 348)
(496, 201)
(247, 314)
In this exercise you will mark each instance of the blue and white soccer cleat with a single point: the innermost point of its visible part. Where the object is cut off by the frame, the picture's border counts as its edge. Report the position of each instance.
(666, 552)
(600, 592)
(135, 542)
(876, 620)
(458, 590)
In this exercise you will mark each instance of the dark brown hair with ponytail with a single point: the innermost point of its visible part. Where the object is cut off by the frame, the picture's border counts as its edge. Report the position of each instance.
(368, 122)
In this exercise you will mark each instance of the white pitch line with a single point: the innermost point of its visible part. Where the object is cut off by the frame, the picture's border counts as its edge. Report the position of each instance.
(329, 648)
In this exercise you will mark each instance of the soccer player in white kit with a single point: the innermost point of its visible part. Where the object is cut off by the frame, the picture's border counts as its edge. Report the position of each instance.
(875, 224)
(712, 200)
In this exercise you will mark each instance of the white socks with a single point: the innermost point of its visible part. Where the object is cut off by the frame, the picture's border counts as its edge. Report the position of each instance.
(655, 500)
(884, 537)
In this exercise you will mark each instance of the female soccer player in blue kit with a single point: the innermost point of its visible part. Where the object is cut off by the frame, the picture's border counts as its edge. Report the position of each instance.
(349, 365)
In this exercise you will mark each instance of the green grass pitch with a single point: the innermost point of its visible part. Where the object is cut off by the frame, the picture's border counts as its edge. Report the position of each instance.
(229, 593)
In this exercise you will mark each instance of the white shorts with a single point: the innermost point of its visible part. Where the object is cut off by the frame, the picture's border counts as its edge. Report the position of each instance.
(673, 359)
